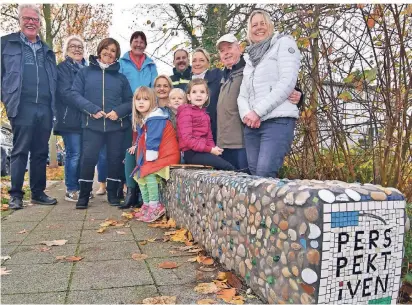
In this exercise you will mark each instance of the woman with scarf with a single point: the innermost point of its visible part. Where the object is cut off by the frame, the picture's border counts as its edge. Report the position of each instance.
(104, 96)
(269, 77)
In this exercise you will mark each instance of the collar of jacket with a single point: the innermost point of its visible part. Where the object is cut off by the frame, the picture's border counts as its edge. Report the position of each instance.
(15, 37)
(147, 60)
(197, 108)
(72, 62)
(114, 67)
(235, 68)
(187, 74)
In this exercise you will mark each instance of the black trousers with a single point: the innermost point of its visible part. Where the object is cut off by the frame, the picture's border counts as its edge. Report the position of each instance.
(31, 132)
(202, 158)
(92, 142)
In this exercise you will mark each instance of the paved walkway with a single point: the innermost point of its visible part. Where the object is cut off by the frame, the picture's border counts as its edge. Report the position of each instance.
(106, 274)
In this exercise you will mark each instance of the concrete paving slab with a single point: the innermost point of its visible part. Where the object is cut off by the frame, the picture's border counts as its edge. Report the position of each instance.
(31, 213)
(31, 255)
(12, 239)
(143, 232)
(34, 298)
(36, 237)
(15, 227)
(110, 274)
(164, 249)
(67, 216)
(36, 278)
(127, 295)
(184, 274)
(185, 293)
(89, 236)
(59, 225)
(108, 250)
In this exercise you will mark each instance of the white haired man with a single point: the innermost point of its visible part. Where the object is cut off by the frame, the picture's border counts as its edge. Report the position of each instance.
(28, 76)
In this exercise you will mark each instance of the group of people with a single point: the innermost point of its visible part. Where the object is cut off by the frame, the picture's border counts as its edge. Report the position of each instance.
(240, 118)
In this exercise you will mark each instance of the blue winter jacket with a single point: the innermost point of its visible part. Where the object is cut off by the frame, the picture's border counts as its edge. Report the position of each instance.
(213, 78)
(136, 77)
(12, 72)
(95, 89)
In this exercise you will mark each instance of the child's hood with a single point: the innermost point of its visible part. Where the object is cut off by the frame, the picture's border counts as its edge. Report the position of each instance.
(158, 114)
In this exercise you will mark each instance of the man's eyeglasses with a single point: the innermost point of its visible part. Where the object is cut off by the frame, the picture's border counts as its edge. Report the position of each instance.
(74, 47)
(27, 19)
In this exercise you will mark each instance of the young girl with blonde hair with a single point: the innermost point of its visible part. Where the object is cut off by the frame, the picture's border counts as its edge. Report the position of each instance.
(156, 148)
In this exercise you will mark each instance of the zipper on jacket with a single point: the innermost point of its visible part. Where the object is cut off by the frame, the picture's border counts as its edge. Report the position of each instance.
(104, 119)
(65, 114)
(87, 121)
(37, 74)
(121, 122)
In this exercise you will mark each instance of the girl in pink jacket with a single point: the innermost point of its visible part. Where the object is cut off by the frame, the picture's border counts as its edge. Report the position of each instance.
(194, 130)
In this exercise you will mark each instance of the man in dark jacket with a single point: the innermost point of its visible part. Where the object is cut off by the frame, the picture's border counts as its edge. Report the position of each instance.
(28, 76)
(182, 72)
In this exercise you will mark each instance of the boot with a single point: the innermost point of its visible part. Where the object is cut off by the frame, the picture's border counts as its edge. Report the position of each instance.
(130, 199)
(139, 198)
(112, 192)
(84, 194)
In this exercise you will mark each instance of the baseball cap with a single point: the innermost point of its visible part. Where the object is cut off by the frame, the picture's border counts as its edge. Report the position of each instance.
(226, 38)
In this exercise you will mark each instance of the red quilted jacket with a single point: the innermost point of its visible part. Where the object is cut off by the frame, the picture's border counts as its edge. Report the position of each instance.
(193, 129)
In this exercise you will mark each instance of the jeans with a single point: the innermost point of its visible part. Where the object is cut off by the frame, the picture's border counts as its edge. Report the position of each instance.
(92, 142)
(31, 130)
(73, 145)
(102, 165)
(268, 145)
(202, 158)
(237, 157)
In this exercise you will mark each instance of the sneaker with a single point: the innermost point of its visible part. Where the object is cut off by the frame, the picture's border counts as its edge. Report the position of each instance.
(72, 196)
(142, 212)
(154, 213)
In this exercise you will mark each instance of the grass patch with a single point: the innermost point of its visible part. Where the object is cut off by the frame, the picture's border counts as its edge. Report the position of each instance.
(407, 258)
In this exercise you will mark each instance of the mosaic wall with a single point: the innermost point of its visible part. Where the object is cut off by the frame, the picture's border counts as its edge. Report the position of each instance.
(300, 241)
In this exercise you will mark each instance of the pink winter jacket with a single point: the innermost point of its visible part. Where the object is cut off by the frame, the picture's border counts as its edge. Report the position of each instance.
(193, 129)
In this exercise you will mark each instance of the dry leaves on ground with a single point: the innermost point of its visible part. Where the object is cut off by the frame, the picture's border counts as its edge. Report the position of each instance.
(226, 294)
(160, 300)
(44, 249)
(206, 301)
(4, 271)
(139, 257)
(165, 224)
(192, 259)
(151, 240)
(22, 231)
(69, 258)
(50, 243)
(4, 207)
(207, 269)
(128, 215)
(168, 265)
(205, 260)
(142, 243)
(101, 230)
(55, 173)
(206, 288)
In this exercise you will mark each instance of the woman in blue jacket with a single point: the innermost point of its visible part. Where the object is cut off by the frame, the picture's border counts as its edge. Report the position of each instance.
(140, 70)
(105, 98)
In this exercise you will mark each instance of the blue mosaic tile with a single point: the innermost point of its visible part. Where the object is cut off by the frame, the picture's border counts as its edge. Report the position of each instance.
(344, 219)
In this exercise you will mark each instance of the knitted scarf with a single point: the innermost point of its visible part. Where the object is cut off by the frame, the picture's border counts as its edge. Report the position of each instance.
(257, 50)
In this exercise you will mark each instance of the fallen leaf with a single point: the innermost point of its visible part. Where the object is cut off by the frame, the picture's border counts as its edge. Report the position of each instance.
(170, 233)
(189, 236)
(238, 299)
(226, 294)
(185, 248)
(164, 299)
(120, 224)
(142, 243)
(188, 243)
(206, 301)
(233, 280)
(101, 230)
(4, 271)
(44, 249)
(50, 243)
(172, 252)
(205, 260)
(195, 250)
(121, 232)
(4, 207)
(192, 259)
(128, 215)
(139, 257)
(220, 284)
(179, 236)
(206, 269)
(22, 231)
(171, 223)
(221, 276)
(151, 240)
(206, 288)
(73, 258)
(166, 239)
(5, 257)
(60, 257)
(168, 265)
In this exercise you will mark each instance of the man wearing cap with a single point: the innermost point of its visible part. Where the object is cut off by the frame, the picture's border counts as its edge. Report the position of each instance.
(229, 125)
(182, 72)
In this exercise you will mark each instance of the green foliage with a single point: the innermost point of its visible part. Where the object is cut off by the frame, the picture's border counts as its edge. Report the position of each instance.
(407, 259)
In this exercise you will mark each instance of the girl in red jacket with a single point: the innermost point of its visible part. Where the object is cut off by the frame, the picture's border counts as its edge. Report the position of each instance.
(156, 148)
(194, 130)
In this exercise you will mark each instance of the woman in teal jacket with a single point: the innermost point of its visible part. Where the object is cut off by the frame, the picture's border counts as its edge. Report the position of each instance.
(140, 70)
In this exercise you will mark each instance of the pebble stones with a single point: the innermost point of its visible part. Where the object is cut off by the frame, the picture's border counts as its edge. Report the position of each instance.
(314, 231)
(241, 251)
(378, 196)
(353, 194)
(327, 196)
(302, 228)
(313, 256)
(314, 244)
(302, 197)
(309, 276)
(311, 214)
(283, 225)
(292, 234)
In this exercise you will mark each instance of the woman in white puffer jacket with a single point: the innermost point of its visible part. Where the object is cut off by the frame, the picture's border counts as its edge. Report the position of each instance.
(269, 77)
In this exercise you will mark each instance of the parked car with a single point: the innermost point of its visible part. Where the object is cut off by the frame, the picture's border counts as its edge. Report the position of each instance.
(6, 144)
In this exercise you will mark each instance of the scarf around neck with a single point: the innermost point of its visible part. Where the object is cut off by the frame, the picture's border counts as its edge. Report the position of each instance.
(257, 50)
(103, 65)
(201, 75)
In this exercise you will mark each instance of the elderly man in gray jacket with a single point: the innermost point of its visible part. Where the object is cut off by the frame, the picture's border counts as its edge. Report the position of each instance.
(28, 78)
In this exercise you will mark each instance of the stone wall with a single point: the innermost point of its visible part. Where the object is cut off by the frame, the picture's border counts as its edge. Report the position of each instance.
(300, 241)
